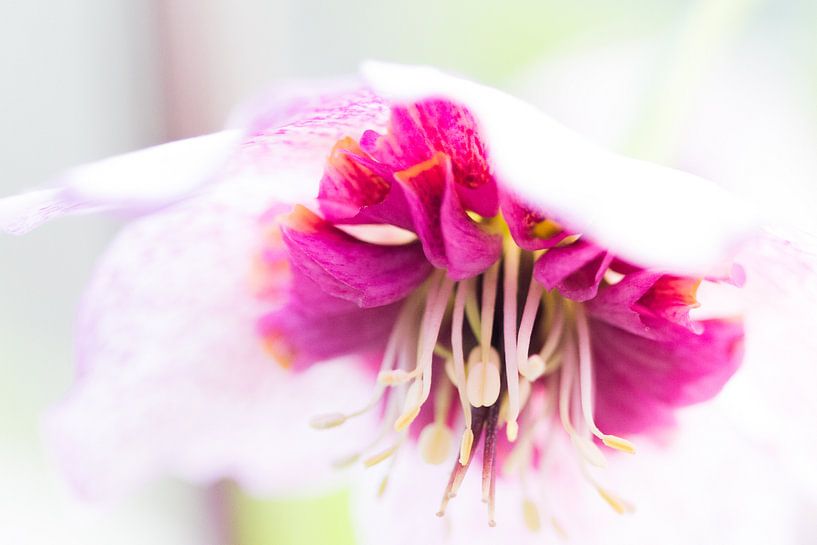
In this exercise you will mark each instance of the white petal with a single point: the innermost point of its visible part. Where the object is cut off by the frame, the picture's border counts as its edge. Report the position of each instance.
(284, 141)
(649, 214)
(708, 486)
(172, 376)
(750, 127)
(141, 180)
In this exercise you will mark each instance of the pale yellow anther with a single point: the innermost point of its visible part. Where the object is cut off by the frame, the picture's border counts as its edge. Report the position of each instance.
(466, 444)
(380, 456)
(382, 488)
(534, 367)
(531, 515)
(411, 407)
(619, 505)
(395, 377)
(405, 419)
(512, 430)
(618, 443)
(589, 451)
(347, 461)
(435, 443)
(546, 229)
(612, 277)
(558, 528)
(568, 240)
(483, 381)
(326, 421)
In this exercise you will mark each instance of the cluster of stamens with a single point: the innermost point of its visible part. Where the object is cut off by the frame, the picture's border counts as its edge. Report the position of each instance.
(524, 372)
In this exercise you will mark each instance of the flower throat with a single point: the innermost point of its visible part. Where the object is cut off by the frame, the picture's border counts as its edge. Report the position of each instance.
(513, 354)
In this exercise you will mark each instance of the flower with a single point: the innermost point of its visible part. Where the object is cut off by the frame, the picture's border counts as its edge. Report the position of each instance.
(451, 220)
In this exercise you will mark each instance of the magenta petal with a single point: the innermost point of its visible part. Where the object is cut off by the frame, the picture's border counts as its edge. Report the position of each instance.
(469, 248)
(357, 190)
(313, 326)
(641, 381)
(575, 270)
(647, 303)
(418, 131)
(370, 275)
(451, 239)
(522, 219)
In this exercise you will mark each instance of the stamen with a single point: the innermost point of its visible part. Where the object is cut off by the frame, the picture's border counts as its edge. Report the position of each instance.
(483, 380)
(618, 504)
(587, 449)
(463, 290)
(397, 376)
(586, 386)
(511, 281)
(437, 299)
(459, 471)
(532, 303)
(435, 443)
(435, 439)
(558, 528)
(386, 376)
(472, 311)
(489, 285)
(430, 330)
(411, 406)
(381, 456)
(530, 514)
(555, 333)
(441, 351)
(327, 421)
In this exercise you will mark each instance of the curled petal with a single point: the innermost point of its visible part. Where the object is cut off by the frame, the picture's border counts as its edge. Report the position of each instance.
(651, 215)
(528, 226)
(343, 266)
(451, 240)
(418, 131)
(648, 303)
(357, 190)
(576, 269)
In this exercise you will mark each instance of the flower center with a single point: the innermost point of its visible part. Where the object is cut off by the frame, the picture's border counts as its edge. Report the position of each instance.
(515, 355)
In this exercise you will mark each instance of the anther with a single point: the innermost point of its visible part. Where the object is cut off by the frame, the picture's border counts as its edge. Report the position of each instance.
(381, 456)
(483, 380)
(435, 443)
(530, 514)
(619, 505)
(326, 421)
(466, 444)
(397, 376)
(411, 406)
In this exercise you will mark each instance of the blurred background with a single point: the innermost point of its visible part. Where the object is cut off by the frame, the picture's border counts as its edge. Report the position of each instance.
(678, 81)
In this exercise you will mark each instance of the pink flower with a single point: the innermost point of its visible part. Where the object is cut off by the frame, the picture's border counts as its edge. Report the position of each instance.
(522, 296)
